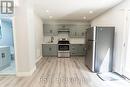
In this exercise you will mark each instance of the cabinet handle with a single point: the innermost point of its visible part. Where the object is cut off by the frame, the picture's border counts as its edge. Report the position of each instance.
(49, 49)
(3, 55)
(50, 31)
(75, 33)
(82, 33)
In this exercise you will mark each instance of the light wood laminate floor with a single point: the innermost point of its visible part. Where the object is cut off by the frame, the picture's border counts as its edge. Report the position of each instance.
(56, 72)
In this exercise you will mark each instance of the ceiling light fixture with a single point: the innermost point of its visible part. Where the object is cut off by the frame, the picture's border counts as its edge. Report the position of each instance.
(84, 17)
(47, 11)
(90, 12)
(50, 17)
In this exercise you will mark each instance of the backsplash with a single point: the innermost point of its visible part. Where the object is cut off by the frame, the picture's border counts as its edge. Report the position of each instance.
(72, 40)
(77, 41)
(47, 39)
(63, 35)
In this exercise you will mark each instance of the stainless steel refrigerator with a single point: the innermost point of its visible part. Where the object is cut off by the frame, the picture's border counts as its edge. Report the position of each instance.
(99, 49)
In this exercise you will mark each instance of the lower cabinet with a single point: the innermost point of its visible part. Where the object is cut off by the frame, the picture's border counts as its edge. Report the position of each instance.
(49, 50)
(52, 50)
(77, 49)
(5, 57)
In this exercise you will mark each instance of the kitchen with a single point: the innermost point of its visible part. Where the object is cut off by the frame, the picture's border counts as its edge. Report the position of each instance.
(70, 43)
(95, 44)
(57, 35)
(75, 34)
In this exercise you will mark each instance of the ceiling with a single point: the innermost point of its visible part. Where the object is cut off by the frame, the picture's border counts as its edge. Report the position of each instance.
(72, 9)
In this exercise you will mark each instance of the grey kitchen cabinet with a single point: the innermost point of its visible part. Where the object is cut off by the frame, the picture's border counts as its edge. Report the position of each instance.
(49, 49)
(77, 31)
(5, 57)
(50, 30)
(64, 26)
(77, 49)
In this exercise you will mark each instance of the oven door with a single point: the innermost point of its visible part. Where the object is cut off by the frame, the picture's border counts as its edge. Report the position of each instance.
(63, 48)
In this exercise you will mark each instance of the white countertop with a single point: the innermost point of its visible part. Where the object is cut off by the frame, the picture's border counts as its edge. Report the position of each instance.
(4, 46)
(70, 43)
(49, 43)
(72, 40)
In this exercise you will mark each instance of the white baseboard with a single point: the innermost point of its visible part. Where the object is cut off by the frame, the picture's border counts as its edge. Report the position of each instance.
(24, 74)
(38, 59)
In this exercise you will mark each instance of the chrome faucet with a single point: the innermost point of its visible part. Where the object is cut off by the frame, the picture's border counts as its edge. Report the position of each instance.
(52, 39)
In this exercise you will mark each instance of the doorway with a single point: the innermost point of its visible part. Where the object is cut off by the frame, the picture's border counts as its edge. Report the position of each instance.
(126, 65)
(7, 52)
(126, 70)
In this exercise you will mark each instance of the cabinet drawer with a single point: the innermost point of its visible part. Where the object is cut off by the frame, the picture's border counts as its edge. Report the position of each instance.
(77, 49)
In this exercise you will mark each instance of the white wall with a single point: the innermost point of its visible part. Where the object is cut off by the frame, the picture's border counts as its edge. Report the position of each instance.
(21, 39)
(38, 25)
(28, 36)
(24, 39)
(31, 36)
(116, 17)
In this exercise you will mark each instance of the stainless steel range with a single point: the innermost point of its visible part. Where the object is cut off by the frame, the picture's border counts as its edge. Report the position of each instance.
(63, 48)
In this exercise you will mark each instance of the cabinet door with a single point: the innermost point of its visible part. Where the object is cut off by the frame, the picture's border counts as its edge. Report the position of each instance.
(6, 56)
(78, 31)
(81, 49)
(0, 58)
(82, 33)
(81, 29)
(50, 30)
(50, 50)
(55, 30)
(54, 50)
(73, 32)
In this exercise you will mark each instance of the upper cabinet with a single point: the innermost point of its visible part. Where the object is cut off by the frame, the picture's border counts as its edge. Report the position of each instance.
(75, 31)
(50, 30)
(78, 31)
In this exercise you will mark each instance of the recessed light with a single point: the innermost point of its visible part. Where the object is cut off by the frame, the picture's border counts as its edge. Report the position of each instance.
(50, 17)
(90, 12)
(84, 17)
(47, 11)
